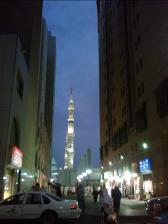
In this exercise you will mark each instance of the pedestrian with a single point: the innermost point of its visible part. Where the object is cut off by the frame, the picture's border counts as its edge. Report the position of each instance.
(36, 187)
(58, 191)
(106, 203)
(116, 195)
(95, 195)
(33, 188)
(81, 197)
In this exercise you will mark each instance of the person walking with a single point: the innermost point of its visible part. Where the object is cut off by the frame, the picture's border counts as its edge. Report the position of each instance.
(81, 197)
(106, 203)
(58, 191)
(116, 195)
(95, 194)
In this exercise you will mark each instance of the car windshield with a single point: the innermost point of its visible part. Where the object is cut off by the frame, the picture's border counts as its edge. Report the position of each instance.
(53, 196)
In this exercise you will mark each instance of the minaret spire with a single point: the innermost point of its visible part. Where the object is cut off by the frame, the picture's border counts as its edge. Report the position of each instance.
(69, 148)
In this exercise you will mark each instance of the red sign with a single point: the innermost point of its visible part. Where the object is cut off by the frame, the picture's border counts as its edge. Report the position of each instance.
(17, 156)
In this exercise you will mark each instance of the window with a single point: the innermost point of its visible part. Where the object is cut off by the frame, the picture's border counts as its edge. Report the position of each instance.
(139, 39)
(123, 133)
(141, 90)
(137, 17)
(106, 148)
(119, 138)
(121, 53)
(101, 153)
(124, 110)
(14, 200)
(132, 148)
(141, 62)
(113, 106)
(20, 86)
(53, 196)
(33, 199)
(113, 88)
(134, 25)
(123, 91)
(111, 41)
(133, 3)
(161, 94)
(121, 73)
(141, 118)
(106, 132)
(137, 68)
(45, 199)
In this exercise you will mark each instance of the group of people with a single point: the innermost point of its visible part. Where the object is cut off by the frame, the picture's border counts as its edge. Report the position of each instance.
(115, 196)
(110, 204)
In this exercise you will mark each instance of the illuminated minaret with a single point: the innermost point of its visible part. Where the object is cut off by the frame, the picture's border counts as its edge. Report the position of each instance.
(69, 148)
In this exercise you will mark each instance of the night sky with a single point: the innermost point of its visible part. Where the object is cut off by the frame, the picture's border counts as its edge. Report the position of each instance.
(74, 23)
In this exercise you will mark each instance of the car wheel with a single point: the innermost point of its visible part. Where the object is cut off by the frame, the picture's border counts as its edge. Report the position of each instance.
(48, 218)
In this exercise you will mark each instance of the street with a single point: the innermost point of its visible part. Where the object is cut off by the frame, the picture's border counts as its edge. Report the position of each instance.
(131, 212)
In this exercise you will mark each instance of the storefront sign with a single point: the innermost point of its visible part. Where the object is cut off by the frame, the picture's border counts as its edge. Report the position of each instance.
(106, 175)
(145, 165)
(17, 156)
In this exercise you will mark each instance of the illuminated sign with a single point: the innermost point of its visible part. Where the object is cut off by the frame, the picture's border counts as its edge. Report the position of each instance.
(145, 165)
(17, 156)
(106, 175)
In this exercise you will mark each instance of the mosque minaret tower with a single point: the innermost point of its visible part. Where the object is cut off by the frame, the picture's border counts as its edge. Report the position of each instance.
(69, 147)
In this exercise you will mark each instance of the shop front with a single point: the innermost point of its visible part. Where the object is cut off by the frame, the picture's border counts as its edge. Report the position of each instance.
(108, 179)
(145, 167)
(128, 181)
(12, 176)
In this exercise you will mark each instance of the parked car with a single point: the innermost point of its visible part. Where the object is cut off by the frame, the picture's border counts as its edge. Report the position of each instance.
(39, 205)
(157, 206)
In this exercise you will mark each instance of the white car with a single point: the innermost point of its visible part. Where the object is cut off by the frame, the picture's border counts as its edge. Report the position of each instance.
(39, 205)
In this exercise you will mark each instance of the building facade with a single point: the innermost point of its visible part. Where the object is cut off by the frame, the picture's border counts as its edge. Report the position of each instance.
(13, 97)
(86, 173)
(84, 162)
(133, 98)
(25, 70)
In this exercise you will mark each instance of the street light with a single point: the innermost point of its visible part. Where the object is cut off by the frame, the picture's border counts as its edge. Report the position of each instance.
(145, 145)
(88, 171)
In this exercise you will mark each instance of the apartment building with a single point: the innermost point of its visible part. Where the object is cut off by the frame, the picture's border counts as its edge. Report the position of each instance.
(133, 57)
(25, 139)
